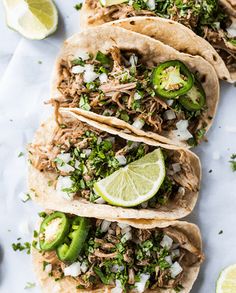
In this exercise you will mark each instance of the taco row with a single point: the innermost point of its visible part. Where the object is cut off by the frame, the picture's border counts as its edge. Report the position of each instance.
(122, 95)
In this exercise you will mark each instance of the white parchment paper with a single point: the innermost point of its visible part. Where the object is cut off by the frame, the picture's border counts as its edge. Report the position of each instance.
(23, 90)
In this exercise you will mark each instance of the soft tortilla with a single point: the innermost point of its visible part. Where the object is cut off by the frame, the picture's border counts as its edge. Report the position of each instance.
(162, 29)
(153, 51)
(48, 198)
(68, 284)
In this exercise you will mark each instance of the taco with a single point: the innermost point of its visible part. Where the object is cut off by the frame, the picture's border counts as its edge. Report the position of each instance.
(75, 254)
(138, 84)
(212, 20)
(70, 163)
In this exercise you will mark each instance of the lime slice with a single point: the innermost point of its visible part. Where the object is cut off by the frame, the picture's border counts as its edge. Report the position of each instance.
(226, 282)
(106, 3)
(135, 183)
(34, 19)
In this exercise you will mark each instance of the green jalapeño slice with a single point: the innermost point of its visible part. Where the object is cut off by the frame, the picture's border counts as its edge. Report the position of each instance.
(53, 231)
(172, 79)
(73, 244)
(195, 98)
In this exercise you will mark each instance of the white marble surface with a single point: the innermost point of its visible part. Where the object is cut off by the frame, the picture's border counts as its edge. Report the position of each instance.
(24, 85)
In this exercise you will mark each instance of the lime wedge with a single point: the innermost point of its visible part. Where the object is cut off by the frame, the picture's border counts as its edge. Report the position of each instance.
(226, 282)
(106, 3)
(135, 183)
(34, 19)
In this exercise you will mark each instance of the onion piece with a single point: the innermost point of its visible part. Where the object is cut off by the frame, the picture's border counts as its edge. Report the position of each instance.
(73, 270)
(231, 30)
(64, 182)
(65, 157)
(123, 225)
(121, 159)
(126, 237)
(137, 96)
(140, 286)
(83, 55)
(168, 259)
(175, 269)
(105, 226)
(138, 123)
(176, 167)
(166, 242)
(151, 4)
(48, 268)
(133, 60)
(103, 78)
(182, 131)
(84, 267)
(77, 69)
(116, 268)
(169, 115)
(175, 253)
(118, 287)
(89, 74)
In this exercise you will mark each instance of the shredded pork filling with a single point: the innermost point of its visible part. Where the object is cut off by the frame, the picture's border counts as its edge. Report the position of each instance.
(80, 155)
(126, 93)
(209, 20)
(116, 251)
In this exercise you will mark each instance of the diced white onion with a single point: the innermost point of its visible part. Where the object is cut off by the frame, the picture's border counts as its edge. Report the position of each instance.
(121, 159)
(169, 115)
(140, 286)
(105, 226)
(126, 237)
(84, 267)
(175, 269)
(182, 125)
(118, 287)
(175, 253)
(182, 132)
(166, 242)
(83, 55)
(169, 102)
(24, 228)
(99, 140)
(48, 268)
(65, 168)
(89, 74)
(181, 190)
(87, 152)
(125, 230)
(73, 270)
(137, 96)
(77, 69)
(100, 200)
(168, 259)
(138, 123)
(216, 155)
(65, 157)
(23, 196)
(151, 4)
(77, 164)
(123, 225)
(64, 182)
(232, 30)
(133, 60)
(103, 78)
(111, 139)
(176, 167)
(116, 268)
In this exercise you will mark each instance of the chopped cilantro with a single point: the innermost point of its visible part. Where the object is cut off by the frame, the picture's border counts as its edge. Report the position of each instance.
(21, 154)
(29, 285)
(233, 162)
(21, 247)
(78, 6)
(84, 103)
(78, 61)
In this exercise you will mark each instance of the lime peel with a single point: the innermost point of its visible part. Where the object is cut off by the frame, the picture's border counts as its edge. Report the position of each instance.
(135, 183)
